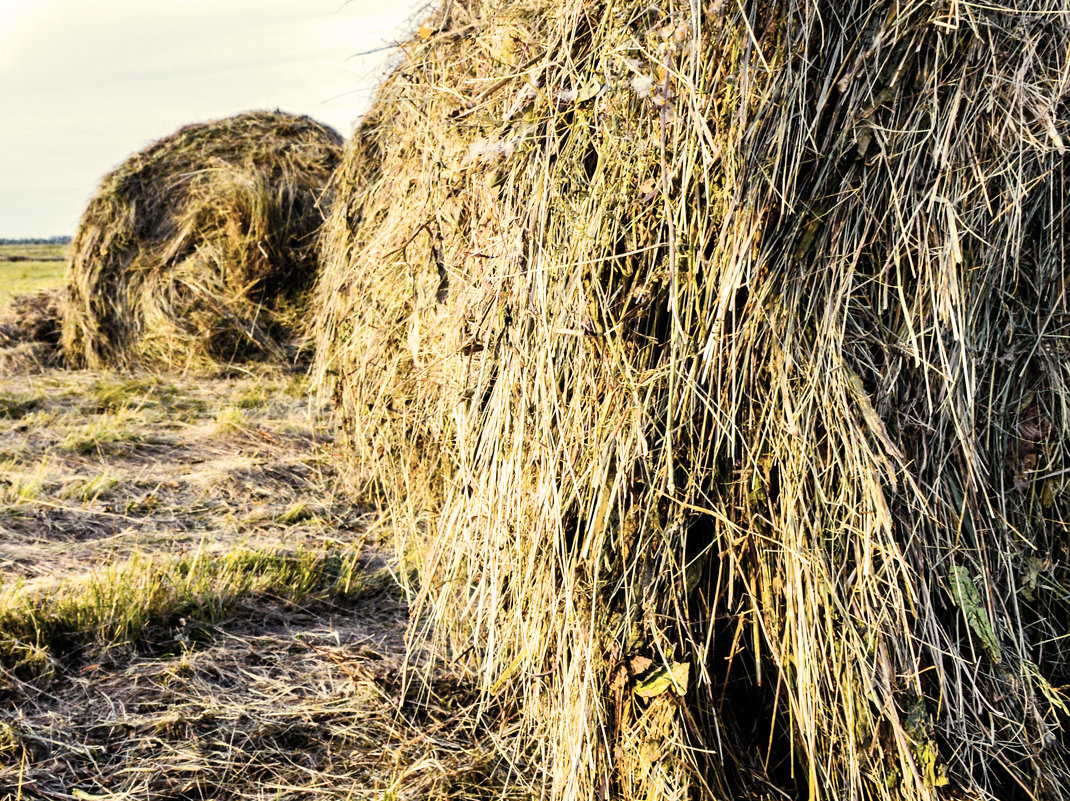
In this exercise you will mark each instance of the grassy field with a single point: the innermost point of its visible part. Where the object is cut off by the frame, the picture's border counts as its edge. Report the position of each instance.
(189, 608)
(26, 268)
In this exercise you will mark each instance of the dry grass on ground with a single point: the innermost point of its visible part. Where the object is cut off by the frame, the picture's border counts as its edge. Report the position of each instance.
(104, 465)
(188, 609)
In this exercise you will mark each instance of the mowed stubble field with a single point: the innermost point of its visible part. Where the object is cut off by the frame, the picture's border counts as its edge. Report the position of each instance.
(190, 607)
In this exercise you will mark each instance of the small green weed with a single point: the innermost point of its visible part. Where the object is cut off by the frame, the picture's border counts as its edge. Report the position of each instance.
(114, 395)
(88, 490)
(299, 512)
(17, 486)
(229, 419)
(103, 435)
(255, 397)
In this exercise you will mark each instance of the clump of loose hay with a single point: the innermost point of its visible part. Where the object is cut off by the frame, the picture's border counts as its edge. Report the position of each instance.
(717, 358)
(200, 249)
(30, 331)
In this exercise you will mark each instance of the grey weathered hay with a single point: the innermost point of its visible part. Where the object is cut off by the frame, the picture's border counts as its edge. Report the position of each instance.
(200, 250)
(715, 360)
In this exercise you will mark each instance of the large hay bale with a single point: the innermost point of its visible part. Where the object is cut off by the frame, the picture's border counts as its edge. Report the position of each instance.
(200, 250)
(715, 359)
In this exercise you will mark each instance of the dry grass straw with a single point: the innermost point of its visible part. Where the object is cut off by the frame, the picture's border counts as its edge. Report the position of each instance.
(191, 611)
(716, 357)
(96, 467)
(251, 675)
(144, 601)
(199, 250)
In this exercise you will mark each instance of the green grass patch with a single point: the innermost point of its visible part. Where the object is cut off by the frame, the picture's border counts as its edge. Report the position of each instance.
(229, 419)
(105, 434)
(88, 489)
(23, 278)
(18, 486)
(28, 268)
(256, 396)
(299, 512)
(166, 603)
(115, 394)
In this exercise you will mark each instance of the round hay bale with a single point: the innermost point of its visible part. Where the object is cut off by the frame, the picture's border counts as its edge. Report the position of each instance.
(200, 250)
(713, 362)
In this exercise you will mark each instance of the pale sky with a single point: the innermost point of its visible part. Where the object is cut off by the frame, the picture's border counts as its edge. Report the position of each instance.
(83, 84)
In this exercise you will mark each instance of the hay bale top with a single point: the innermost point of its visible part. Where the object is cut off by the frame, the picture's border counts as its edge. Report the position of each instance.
(199, 249)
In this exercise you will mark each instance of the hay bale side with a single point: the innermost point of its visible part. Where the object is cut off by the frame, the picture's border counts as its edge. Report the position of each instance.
(715, 361)
(200, 250)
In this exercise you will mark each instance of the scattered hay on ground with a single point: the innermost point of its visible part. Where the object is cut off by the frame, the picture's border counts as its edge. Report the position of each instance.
(715, 358)
(243, 675)
(199, 250)
(316, 707)
(190, 608)
(95, 467)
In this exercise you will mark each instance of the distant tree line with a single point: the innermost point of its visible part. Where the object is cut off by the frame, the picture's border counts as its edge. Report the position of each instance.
(50, 240)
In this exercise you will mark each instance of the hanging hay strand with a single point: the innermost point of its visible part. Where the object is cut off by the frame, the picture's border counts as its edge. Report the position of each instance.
(715, 359)
(200, 249)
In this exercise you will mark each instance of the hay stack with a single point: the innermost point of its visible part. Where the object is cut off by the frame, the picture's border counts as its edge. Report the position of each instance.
(716, 357)
(30, 332)
(199, 250)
